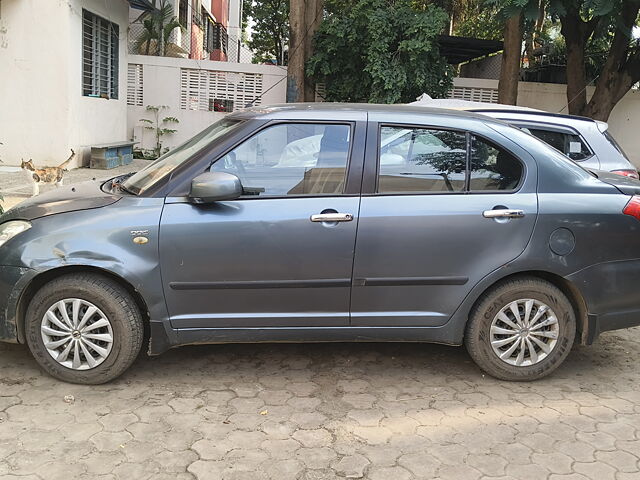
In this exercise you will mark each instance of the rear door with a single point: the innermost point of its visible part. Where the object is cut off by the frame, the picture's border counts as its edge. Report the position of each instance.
(441, 208)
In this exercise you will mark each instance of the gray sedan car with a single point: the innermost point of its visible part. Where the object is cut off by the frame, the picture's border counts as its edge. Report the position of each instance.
(390, 223)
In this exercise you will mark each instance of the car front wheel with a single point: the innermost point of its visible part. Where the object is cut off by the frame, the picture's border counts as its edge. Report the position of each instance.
(521, 330)
(84, 328)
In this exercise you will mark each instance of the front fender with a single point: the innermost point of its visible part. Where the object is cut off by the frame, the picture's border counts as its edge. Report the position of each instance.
(99, 239)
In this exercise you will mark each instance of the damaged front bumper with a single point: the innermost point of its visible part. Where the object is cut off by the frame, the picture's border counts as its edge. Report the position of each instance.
(13, 281)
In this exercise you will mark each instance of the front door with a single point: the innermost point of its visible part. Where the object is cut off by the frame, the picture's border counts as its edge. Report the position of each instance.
(282, 254)
(447, 208)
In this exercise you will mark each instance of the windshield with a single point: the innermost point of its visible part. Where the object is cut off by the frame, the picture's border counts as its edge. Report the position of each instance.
(166, 164)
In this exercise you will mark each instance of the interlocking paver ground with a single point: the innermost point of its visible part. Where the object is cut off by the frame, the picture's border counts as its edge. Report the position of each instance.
(375, 411)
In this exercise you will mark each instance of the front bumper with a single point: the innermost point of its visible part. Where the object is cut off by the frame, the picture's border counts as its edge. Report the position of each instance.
(13, 281)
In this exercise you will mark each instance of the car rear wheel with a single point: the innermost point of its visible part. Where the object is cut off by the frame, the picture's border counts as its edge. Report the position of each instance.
(84, 328)
(521, 330)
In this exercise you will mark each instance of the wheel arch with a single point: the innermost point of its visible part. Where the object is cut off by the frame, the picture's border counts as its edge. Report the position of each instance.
(565, 286)
(43, 278)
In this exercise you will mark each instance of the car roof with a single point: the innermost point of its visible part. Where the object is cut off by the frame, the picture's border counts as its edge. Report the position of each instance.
(497, 108)
(317, 110)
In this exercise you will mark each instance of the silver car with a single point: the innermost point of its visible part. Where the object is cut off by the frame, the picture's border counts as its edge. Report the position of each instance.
(584, 140)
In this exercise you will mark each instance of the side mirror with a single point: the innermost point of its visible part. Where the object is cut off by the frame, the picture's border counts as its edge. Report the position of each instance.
(212, 187)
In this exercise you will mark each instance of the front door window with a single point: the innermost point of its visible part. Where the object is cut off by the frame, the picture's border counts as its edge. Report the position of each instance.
(291, 159)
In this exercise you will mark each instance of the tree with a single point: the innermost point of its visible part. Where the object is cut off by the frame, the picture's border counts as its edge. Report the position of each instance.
(159, 127)
(158, 26)
(584, 21)
(270, 29)
(380, 51)
(511, 59)
(305, 17)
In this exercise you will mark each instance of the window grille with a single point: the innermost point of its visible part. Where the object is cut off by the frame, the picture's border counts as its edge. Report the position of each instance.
(135, 85)
(215, 36)
(183, 12)
(221, 38)
(100, 55)
(209, 35)
(474, 94)
(211, 90)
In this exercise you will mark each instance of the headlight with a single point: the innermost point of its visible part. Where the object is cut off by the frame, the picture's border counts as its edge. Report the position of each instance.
(10, 229)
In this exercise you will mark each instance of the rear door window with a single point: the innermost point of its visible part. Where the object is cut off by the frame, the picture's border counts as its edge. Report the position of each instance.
(421, 160)
(416, 160)
(492, 168)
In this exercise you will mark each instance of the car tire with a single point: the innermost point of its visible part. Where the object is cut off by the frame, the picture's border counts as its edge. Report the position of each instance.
(96, 353)
(491, 330)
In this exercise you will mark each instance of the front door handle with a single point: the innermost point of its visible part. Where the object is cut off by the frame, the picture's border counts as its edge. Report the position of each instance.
(332, 217)
(503, 213)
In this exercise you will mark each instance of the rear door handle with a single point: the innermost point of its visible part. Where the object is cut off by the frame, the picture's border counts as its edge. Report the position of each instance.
(503, 213)
(332, 217)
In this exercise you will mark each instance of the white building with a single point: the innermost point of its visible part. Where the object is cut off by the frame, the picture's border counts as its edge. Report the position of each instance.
(63, 75)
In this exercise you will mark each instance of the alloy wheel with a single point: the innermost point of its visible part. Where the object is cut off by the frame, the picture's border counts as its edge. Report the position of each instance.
(77, 334)
(524, 332)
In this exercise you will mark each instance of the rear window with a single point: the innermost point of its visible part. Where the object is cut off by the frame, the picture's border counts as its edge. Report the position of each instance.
(570, 144)
(615, 144)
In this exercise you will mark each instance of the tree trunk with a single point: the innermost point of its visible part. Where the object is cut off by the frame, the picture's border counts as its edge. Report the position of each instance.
(573, 30)
(313, 17)
(295, 69)
(510, 68)
(621, 71)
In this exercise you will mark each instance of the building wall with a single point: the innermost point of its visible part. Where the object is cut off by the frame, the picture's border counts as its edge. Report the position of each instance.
(93, 121)
(162, 86)
(624, 122)
(34, 99)
(220, 10)
(44, 114)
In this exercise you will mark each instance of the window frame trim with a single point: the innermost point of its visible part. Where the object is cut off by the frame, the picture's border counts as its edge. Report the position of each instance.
(352, 124)
(466, 191)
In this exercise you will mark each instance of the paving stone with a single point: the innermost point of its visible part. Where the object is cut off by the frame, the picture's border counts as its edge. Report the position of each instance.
(280, 449)
(554, 462)
(621, 460)
(372, 435)
(452, 472)
(352, 466)
(488, 464)
(595, 470)
(527, 472)
(282, 469)
(367, 418)
(206, 470)
(325, 412)
(105, 441)
(316, 458)
(396, 473)
(422, 465)
(116, 422)
(313, 438)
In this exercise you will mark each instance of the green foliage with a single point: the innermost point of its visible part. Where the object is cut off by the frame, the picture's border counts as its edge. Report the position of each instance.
(481, 21)
(596, 52)
(380, 51)
(270, 29)
(158, 26)
(160, 127)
